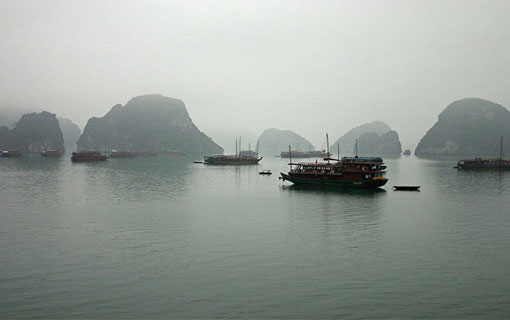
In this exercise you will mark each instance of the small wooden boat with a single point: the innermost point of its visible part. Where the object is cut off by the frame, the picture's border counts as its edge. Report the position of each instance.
(406, 188)
(175, 153)
(88, 156)
(267, 172)
(50, 153)
(122, 154)
(199, 162)
(10, 154)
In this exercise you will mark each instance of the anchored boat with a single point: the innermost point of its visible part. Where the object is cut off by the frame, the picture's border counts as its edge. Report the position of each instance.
(479, 163)
(357, 172)
(10, 154)
(50, 153)
(88, 156)
(240, 158)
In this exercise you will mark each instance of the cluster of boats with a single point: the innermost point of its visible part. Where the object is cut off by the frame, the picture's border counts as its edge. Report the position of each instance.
(356, 171)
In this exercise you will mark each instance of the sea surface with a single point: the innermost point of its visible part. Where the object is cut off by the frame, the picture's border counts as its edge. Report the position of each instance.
(162, 237)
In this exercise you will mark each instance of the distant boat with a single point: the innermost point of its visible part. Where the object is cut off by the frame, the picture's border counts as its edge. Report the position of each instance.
(175, 153)
(407, 152)
(122, 154)
(88, 156)
(266, 172)
(146, 153)
(198, 162)
(406, 188)
(237, 160)
(479, 163)
(51, 153)
(10, 154)
(231, 160)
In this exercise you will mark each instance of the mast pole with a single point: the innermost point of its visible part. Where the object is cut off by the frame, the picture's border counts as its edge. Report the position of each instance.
(290, 158)
(501, 148)
(356, 148)
(239, 146)
(327, 146)
(338, 151)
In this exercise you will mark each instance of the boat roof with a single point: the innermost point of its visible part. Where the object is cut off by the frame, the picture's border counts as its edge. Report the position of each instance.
(368, 161)
(362, 159)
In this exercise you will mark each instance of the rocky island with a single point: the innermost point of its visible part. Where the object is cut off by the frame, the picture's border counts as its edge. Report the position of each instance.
(273, 141)
(150, 122)
(34, 132)
(374, 139)
(71, 133)
(468, 126)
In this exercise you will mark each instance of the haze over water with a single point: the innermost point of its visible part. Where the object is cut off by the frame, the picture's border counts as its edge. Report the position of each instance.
(163, 237)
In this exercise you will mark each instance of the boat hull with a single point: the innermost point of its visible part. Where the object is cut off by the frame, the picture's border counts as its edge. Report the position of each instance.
(89, 160)
(323, 181)
(232, 162)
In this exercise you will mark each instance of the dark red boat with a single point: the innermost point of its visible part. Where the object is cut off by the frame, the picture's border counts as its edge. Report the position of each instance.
(357, 172)
(479, 163)
(88, 156)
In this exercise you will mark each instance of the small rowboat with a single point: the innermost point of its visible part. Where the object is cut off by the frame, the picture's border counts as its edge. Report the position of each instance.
(197, 162)
(265, 172)
(406, 188)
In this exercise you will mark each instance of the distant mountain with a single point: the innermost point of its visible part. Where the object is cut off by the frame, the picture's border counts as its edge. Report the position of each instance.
(374, 139)
(71, 133)
(34, 132)
(150, 122)
(273, 141)
(469, 126)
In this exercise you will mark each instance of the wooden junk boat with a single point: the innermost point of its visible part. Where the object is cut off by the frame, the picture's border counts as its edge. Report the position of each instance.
(231, 160)
(357, 172)
(240, 158)
(50, 153)
(88, 156)
(10, 154)
(479, 163)
(122, 154)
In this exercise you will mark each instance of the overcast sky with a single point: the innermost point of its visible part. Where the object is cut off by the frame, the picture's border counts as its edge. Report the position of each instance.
(308, 66)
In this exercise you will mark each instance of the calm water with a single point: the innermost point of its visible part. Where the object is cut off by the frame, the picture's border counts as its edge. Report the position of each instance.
(163, 237)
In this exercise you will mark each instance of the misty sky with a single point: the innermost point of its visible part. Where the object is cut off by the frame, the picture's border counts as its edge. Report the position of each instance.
(308, 66)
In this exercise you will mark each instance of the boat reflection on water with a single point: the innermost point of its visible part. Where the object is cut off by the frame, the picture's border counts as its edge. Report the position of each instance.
(332, 189)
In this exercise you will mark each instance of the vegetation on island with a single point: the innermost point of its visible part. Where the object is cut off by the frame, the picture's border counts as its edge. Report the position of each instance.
(469, 126)
(374, 139)
(34, 132)
(150, 122)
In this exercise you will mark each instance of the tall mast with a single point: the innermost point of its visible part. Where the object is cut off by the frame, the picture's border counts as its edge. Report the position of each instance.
(501, 148)
(338, 151)
(240, 146)
(290, 158)
(356, 148)
(236, 147)
(327, 145)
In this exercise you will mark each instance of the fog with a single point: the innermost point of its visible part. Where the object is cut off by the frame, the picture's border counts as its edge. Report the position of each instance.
(308, 66)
